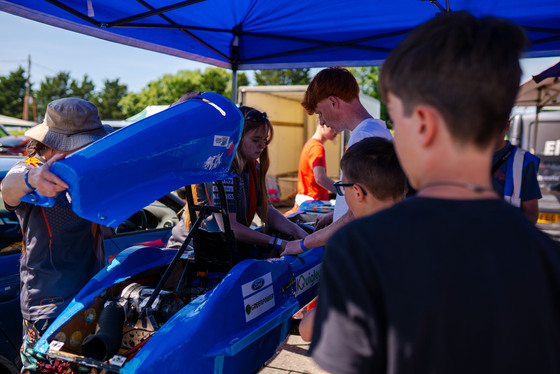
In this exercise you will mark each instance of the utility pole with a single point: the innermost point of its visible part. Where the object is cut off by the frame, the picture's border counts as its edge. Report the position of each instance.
(28, 94)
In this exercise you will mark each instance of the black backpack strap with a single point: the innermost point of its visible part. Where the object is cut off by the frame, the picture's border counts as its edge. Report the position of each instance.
(502, 159)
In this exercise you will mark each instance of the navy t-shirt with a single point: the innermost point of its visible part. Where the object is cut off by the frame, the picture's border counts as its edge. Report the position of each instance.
(530, 189)
(237, 195)
(62, 252)
(439, 286)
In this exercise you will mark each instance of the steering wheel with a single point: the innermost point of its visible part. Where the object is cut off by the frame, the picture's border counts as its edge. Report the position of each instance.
(136, 222)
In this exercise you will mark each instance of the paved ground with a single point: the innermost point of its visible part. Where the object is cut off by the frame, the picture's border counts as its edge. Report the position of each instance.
(292, 359)
(292, 356)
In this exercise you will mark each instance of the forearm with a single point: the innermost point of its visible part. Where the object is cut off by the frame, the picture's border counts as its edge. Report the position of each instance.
(320, 176)
(530, 209)
(247, 235)
(40, 178)
(243, 233)
(320, 237)
(326, 183)
(14, 188)
(277, 221)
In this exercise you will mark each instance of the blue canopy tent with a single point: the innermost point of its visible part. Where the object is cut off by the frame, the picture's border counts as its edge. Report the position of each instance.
(266, 34)
(541, 90)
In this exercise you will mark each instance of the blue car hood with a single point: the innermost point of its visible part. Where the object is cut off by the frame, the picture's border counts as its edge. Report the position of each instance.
(111, 179)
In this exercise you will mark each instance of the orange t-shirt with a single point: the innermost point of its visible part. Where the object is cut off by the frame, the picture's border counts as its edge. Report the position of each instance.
(312, 154)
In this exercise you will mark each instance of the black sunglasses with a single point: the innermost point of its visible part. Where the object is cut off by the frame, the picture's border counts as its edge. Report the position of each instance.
(256, 116)
(338, 186)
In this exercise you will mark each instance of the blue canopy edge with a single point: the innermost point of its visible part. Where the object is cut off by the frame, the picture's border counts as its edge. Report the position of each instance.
(111, 179)
(261, 34)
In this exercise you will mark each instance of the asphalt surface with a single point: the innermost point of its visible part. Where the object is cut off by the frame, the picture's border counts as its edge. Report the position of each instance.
(292, 358)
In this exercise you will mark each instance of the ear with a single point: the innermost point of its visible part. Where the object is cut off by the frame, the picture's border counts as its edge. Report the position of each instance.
(429, 121)
(357, 191)
(334, 101)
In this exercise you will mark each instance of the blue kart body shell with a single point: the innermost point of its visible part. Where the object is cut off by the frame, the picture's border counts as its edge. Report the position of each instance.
(192, 142)
(233, 325)
(233, 328)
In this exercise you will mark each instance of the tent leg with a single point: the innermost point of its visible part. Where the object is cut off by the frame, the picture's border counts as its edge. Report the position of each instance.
(534, 135)
(234, 86)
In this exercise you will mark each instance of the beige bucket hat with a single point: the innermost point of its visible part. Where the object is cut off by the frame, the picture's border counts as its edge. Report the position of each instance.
(69, 124)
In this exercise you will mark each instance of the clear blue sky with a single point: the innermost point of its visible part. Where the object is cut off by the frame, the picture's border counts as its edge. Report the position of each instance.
(53, 50)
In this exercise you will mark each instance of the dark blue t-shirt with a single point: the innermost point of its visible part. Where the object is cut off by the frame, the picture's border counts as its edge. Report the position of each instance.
(530, 189)
(439, 286)
(62, 252)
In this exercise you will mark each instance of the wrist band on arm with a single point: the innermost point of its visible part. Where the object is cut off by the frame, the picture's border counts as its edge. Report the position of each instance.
(278, 243)
(302, 246)
(25, 175)
(272, 241)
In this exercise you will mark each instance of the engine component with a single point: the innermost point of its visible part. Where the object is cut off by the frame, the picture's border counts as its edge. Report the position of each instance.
(106, 341)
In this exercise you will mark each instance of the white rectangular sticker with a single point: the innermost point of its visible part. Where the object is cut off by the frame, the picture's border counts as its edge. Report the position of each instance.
(256, 284)
(117, 360)
(306, 280)
(259, 303)
(221, 141)
(55, 345)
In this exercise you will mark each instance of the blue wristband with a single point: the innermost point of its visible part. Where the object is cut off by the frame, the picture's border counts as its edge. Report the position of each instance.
(302, 246)
(278, 244)
(25, 175)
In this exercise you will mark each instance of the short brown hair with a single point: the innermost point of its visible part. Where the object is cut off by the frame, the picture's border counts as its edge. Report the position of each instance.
(373, 163)
(333, 81)
(466, 68)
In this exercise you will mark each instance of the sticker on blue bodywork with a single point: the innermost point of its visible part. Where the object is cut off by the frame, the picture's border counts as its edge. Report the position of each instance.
(221, 141)
(259, 303)
(308, 279)
(256, 284)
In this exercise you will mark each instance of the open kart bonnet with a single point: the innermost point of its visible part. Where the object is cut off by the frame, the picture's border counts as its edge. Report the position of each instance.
(111, 179)
(166, 310)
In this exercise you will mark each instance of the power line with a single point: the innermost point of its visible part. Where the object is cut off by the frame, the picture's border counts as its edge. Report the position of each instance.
(13, 60)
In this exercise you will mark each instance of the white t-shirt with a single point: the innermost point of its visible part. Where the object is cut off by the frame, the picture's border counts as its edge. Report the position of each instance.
(366, 128)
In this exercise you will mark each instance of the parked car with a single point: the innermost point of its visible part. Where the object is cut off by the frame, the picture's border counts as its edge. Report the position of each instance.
(10, 251)
(13, 144)
(150, 225)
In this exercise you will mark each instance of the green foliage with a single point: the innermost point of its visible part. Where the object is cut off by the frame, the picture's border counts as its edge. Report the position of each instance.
(169, 88)
(113, 100)
(242, 80)
(367, 78)
(108, 99)
(60, 86)
(282, 77)
(12, 93)
(83, 90)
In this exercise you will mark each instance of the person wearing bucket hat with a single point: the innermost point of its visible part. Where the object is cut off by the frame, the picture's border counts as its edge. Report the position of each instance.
(61, 251)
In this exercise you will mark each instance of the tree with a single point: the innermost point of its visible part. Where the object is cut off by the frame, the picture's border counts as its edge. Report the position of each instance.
(242, 80)
(367, 78)
(12, 93)
(59, 86)
(282, 77)
(170, 87)
(84, 90)
(107, 100)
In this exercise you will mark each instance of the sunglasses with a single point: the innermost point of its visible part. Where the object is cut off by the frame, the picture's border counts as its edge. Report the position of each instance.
(338, 186)
(256, 116)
